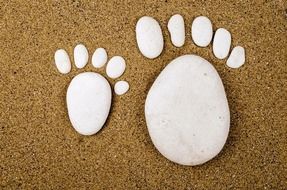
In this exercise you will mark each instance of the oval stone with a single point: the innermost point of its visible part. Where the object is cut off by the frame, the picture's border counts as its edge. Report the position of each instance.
(81, 56)
(236, 58)
(201, 31)
(88, 100)
(221, 43)
(176, 29)
(149, 37)
(187, 112)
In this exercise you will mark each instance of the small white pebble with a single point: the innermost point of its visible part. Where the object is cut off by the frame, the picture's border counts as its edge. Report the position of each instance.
(116, 67)
(201, 31)
(149, 37)
(176, 29)
(236, 58)
(62, 61)
(81, 56)
(221, 43)
(99, 58)
(121, 87)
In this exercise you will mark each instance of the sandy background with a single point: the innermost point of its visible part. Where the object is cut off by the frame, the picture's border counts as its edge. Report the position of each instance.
(40, 149)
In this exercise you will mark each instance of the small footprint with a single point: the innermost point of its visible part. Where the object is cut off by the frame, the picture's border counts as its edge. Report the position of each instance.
(188, 91)
(89, 94)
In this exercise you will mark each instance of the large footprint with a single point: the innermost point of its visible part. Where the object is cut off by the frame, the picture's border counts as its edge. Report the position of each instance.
(186, 109)
(89, 94)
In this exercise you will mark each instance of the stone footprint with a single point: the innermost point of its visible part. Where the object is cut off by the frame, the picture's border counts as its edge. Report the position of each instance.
(186, 109)
(89, 94)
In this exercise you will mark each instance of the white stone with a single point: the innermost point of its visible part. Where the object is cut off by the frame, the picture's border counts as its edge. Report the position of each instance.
(88, 101)
(187, 112)
(62, 61)
(121, 87)
(201, 31)
(221, 43)
(99, 58)
(176, 29)
(149, 37)
(116, 67)
(81, 56)
(236, 58)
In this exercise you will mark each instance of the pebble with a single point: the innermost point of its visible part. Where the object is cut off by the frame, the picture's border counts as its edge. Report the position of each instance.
(99, 58)
(221, 43)
(88, 101)
(116, 67)
(236, 58)
(187, 112)
(62, 61)
(201, 31)
(149, 37)
(176, 29)
(81, 56)
(121, 87)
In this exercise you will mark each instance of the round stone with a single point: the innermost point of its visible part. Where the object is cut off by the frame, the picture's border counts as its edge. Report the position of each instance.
(121, 87)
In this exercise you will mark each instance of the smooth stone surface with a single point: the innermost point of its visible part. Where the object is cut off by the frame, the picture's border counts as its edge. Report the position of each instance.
(81, 56)
(187, 111)
(116, 67)
(221, 43)
(88, 101)
(236, 58)
(149, 37)
(176, 29)
(99, 58)
(201, 31)
(121, 87)
(62, 61)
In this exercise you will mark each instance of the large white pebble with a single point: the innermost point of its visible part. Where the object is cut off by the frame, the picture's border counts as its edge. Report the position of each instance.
(236, 58)
(201, 31)
(221, 43)
(99, 58)
(116, 67)
(149, 37)
(121, 87)
(187, 112)
(176, 30)
(62, 61)
(88, 101)
(81, 56)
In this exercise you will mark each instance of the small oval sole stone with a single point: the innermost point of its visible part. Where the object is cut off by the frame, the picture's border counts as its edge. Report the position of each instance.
(88, 101)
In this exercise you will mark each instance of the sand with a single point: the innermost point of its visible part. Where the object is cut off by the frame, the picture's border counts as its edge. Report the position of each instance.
(39, 149)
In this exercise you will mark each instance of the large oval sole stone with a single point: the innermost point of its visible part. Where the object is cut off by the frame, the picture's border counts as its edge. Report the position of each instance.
(187, 112)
